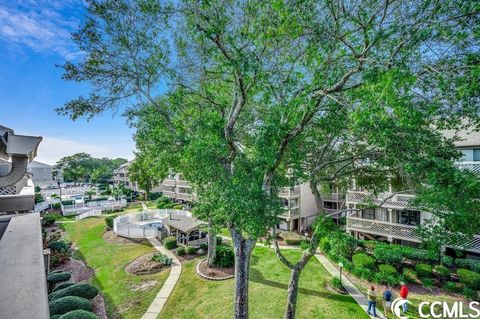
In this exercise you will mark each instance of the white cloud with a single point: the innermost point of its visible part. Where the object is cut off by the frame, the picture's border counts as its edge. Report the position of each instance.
(51, 149)
(41, 26)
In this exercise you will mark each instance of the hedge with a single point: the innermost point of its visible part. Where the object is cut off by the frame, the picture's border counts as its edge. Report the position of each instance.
(468, 263)
(62, 285)
(384, 253)
(69, 303)
(423, 271)
(191, 250)
(410, 275)
(58, 245)
(58, 277)
(219, 240)
(79, 314)
(180, 251)
(325, 245)
(204, 246)
(470, 278)
(452, 287)
(387, 270)
(342, 245)
(442, 272)
(293, 242)
(163, 259)
(363, 261)
(109, 221)
(224, 257)
(447, 261)
(170, 242)
(80, 290)
(48, 220)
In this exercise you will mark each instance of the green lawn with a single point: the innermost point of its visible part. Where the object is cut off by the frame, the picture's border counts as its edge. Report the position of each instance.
(122, 297)
(197, 298)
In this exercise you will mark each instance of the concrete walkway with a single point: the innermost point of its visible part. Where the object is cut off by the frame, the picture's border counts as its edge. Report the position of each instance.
(348, 285)
(176, 269)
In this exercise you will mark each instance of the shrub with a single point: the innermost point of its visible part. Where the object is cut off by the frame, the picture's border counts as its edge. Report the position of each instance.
(342, 245)
(470, 293)
(410, 275)
(170, 242)
(468, 263)
(325, 245)
(219, 240)
(80, 290)
(69, 303)
(180, 251)
(305, 244)
(109, 221)
(79, 314)
(48, 220)
(204, 246)
(452, 287)
(428, 282)
(384, 253)
(418, 254)
(224, 257)
(58, 277)
(387, 270)
(470, 278)
(179, 206)
(163, 259)
(191, 250)
(423, 270)
(442, 272)
(293, 241)
(63, 285)
(447, 261)
(59, 245)
(364, 261)
(336, 283)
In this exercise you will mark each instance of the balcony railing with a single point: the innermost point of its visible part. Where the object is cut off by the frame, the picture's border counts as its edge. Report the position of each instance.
(291, 213)
(333, 197)
(169, 194)
(386, 200)
(184, 196)
(18, 197)
(168, 182)
(286, 192)
(183, 183)
(381, 228)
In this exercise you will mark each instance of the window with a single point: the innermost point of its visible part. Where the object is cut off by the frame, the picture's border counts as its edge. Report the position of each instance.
(476, 154)
(409, 217)
(330, 205)
(368, 213)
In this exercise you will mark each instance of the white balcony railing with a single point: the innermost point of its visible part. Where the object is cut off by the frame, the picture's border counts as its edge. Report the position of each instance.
(286, 192)
(184, 196)
(381, 228)
(387, 200)
(290, 213)
(169, 194)
(168, 182)
(19, 197)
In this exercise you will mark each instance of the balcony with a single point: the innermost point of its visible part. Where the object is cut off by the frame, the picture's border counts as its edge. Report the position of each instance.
(287, 192)
(386, 200)
(184, 196)
(381, 228)
(168, 182)
(19, 197)
(333, 197)
(169, 194)
(291, 213)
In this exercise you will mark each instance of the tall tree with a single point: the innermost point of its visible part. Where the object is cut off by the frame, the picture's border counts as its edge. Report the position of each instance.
(226, 91)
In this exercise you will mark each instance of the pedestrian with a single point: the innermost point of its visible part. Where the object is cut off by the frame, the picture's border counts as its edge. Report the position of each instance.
(404, 295)
(387, 300)
(372, 301)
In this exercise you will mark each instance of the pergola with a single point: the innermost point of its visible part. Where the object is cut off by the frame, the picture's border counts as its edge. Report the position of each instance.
(189, 231)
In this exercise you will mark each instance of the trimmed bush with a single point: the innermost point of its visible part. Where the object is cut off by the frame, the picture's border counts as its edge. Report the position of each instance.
(342, 245)
(179, 206)
(180, 251)
(48, 220)
(204, 246)
(424, 270)
(170, 242)
(470, 278)
(442, 272)
(363, 261)
(80, 290)
(62, 285)
(224, 257)
(79, 314)
(410, 275)
(336, 283)
(293, 242)
(109, 221)
(447, 261)
(468, 263)
(384, 253)
(452, 287)
(58, 277)
(470, 293)
(428, 282)
(325, 245)
(58, 245)
(219, 240)
(387, 270)
(69, 303)
(191, 250)
(163, 259)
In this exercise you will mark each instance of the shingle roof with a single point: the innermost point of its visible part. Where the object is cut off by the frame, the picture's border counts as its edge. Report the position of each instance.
(183, 223)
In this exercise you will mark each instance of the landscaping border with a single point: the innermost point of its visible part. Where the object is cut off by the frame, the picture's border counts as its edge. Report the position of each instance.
(208, 277)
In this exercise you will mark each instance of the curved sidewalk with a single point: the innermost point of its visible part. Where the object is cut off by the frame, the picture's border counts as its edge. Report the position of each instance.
(176, 269)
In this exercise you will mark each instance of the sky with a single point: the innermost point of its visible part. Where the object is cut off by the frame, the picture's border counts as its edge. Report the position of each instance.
(34, 38)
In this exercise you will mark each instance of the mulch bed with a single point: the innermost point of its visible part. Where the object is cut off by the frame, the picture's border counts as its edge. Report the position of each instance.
(214, 273)
(144, 265)
(110, 237)
(187, 257)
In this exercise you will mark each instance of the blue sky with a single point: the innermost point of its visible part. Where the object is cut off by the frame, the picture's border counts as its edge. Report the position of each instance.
(34, 37)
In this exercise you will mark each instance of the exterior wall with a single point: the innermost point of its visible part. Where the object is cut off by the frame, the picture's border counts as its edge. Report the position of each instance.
(41, 174)
(308, 206)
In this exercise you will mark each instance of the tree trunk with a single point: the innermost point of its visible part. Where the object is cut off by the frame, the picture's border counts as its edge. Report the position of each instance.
(292, 292)
(316, 194)
(243, 250)
(212, 244)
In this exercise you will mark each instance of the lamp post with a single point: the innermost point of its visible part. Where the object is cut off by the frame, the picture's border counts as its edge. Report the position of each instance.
(60, 189)
(341, 267)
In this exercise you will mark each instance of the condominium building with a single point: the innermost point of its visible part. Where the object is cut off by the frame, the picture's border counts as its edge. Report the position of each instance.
(23, 284)
(42, 174)
(396, 219)
(120, 177)
(176, 187)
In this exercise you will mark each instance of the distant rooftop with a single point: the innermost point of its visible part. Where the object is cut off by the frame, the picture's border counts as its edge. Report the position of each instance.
(36, 164)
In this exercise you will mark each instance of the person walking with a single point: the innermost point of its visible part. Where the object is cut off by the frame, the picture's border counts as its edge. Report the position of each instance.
(404, 295)
(387, 300)
(372, 301)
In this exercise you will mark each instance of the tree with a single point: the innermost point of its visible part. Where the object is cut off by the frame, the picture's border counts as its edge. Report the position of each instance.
(139, 172)
(228, 92)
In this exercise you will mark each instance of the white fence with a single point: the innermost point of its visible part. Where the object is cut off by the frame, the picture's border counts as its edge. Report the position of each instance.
(127, 225)
(91, 213)
(103, 206)
(40, 207)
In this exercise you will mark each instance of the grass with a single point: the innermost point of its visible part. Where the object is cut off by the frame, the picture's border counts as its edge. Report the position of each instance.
(120, 289)
(197, 298)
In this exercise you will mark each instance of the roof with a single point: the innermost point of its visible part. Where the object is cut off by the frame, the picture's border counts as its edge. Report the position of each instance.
(183, 222)
(36, 164)
(464, 138)
(125, 165)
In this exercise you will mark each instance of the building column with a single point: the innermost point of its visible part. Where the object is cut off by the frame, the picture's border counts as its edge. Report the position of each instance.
(390, 215)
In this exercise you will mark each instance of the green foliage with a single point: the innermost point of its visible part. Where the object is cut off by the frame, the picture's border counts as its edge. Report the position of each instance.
(204, 246)
(387, 254)
(387, 270)
(59, 245)
(469, 264)
(423, 271)
(170, 242)
(224, 257)
(325, 245)
(452, 287)
(58, 277)
(39, 198)
(469, 293)
(442, 272)
(67, 304)
(336, 283)
(191, 250)
(447, 261)
(219, 240)
(428, 282)
(470, 278)
(62, 285)
(80, 290)
(48, 220)
(55, 317)
(163, 259)
(109, 221)
(79, 314)
(410, 275)
(342, 245)
(293, 242)
(179, 206)
(180, 251)
(363, 261)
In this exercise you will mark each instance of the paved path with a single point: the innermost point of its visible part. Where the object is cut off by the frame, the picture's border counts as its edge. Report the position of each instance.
(349, 286)
(176, 269)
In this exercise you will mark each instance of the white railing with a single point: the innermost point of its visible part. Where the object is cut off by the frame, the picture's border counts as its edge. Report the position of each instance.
(386, 200)
(289, 191)
(381, 228)
(184, 196)
(290, 212)
(100, 205)
(93, 213)
(169, 194)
